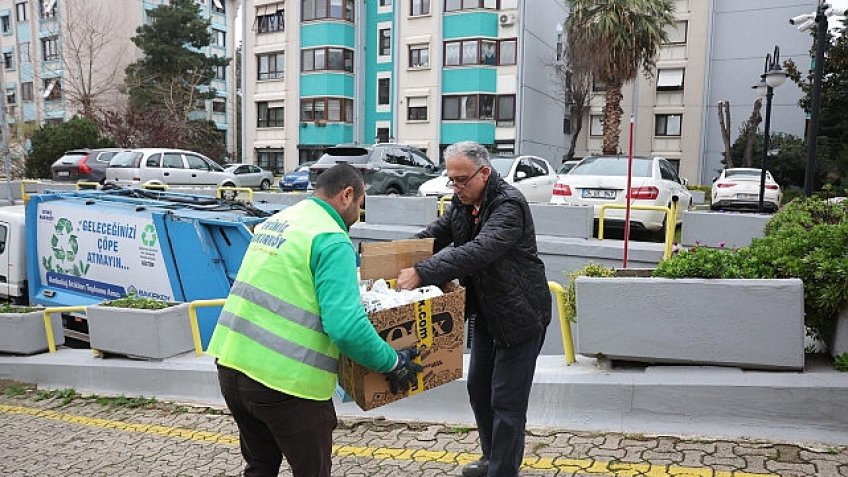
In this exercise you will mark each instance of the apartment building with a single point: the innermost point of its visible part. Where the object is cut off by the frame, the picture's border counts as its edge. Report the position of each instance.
(53, 50)
(421, 72)
(715, 51)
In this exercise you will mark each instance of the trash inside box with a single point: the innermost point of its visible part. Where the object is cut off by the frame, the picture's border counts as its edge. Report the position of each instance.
(434, 325)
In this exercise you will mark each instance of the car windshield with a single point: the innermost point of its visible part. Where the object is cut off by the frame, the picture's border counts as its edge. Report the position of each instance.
(742, 173)
(502, 165)
(354, 155)
(126, 159)
(612, 166)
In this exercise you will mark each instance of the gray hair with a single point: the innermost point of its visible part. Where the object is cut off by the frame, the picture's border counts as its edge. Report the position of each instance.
(474, 151)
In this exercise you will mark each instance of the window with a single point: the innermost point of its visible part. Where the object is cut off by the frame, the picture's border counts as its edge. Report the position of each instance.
(677, 33)
(330, 58)
(270, 114)
(173, 160)
(11, 95)
(453, 5)
(419, 7)
(326, 9)
(271, 22)
(50, 48)
(384, 47)
(505, 113)
(219, 38)
(6, 23)
(271, 66)
(480, 52)
(383, 91)
(220, 72)
(668, 124)
(23, 52)
(326, 109)
(385, 3)
(47, 8)
(416, 108)
(469, 53)
(382, 135)
(270, 159)
(52, 89)
(218, 6)
(4, 231)
(452, 53)
(488, 52)
(21, 11)
(507, 52)
(154, 161)
(200, 105)
(9, 60)
(219, 106)
(196, 162)
(670, 79)
(596, 125)
(419, 56)
(26, 91)
(598, 86)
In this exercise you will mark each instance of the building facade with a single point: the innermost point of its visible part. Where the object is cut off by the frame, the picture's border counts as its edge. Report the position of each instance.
(426, 73)
(715, 51)
(58, 51)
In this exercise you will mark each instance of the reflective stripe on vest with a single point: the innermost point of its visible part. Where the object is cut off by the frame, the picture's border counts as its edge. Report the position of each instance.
(277, 306)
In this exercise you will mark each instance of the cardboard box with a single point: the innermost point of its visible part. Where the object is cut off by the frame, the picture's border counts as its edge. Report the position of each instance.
(434, 325)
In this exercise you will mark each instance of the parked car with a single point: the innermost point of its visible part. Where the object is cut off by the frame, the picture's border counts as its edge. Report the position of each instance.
(298, 179)
(249, 175)
(599, 180)
(167, 166)
(392, 169)
(532, 175)
(739, 188)
(83, 165)
(567, 166)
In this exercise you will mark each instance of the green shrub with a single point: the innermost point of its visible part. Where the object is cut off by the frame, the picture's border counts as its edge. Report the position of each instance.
(135, 301)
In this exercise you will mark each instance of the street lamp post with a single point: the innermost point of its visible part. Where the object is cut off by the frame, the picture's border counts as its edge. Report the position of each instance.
(773, 76)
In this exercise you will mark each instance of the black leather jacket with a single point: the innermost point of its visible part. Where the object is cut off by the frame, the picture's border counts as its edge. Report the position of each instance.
(496, 260)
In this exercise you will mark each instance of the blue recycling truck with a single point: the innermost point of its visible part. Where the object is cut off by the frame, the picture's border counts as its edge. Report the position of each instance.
(84, 247)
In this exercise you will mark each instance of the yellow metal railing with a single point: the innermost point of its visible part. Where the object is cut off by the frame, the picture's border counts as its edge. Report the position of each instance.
(48, 324)
(24, 194)
(219, 193)
(443, 200)
(670, 221)
(87, 185)
(564, 321)
(192, 316)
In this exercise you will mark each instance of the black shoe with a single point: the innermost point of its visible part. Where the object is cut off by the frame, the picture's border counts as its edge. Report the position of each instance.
(478, 468)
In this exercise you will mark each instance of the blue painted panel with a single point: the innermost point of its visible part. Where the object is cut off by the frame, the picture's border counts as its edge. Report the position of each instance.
(469, 80)
(471, 24)
(326, 84)
(455, 131)
(327, 33)
(29, 111)
(331, 133)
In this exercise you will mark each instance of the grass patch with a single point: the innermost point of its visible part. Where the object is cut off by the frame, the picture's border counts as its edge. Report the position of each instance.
(65, 395)
(124, 401)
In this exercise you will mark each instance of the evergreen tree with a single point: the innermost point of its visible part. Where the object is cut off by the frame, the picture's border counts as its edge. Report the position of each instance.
(51, 141)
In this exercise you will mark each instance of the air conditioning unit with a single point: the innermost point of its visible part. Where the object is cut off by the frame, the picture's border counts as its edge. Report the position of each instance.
(506, 19)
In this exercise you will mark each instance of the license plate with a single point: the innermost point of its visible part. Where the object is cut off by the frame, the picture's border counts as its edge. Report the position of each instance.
(63, 173)
(748, 196)
(598, 194)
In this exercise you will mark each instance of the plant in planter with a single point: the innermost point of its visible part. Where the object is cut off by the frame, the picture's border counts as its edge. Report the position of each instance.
(140, 327)
(22, 329)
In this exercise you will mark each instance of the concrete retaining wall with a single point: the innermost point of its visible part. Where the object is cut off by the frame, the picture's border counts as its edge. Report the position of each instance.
(746, 323)
(389, 210)
(563, 220)
(710, 229)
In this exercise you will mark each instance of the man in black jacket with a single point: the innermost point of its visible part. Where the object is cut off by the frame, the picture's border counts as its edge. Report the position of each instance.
(507, 300)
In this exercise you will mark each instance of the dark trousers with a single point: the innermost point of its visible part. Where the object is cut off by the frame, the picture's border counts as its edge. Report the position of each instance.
(499, 380)
(273, 424)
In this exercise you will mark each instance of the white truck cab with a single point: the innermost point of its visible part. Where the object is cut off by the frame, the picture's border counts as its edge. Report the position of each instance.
(13, 269)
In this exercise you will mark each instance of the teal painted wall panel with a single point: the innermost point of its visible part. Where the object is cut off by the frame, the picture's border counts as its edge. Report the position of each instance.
(472, 24)
(326, 84)
(327, 33)
(455, 131)
(463, 80)
(332, 133)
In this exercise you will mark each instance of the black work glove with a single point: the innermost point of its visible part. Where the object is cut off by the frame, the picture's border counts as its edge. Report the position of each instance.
(403, 375)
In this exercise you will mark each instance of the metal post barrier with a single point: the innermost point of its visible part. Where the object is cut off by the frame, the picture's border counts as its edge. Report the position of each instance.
(219, 193)
(192, 316)
(564, 321)
(154, 186)
(670, 229)
(443, 204)
(24, 194)
(87, 185)
(670, 214)
(48, 325)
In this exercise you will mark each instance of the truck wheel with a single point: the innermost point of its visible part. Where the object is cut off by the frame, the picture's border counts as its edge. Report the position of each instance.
(393, 190)
(265, 185)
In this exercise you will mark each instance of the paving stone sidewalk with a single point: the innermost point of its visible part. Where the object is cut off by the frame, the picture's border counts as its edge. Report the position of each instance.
(59, 433)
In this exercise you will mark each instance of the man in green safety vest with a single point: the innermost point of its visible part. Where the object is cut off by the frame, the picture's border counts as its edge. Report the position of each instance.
(293, 307)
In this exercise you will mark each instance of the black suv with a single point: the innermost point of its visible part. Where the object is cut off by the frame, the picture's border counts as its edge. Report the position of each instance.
(392, 169)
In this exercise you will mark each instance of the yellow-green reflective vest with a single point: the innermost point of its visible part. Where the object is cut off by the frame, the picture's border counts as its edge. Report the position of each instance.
(270, 328)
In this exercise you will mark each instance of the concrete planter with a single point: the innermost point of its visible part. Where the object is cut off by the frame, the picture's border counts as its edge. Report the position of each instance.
(711, 229)
(155, 334)
(757, 324)
(23, 333)
(839, 343)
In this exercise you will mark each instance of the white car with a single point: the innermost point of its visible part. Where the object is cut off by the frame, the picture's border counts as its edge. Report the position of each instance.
(167, 166)
(599, 180)
(739, 188)
(249, 175)
(532, 175)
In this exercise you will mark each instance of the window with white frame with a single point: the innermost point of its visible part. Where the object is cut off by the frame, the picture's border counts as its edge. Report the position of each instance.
(47, 8)
(271, 66)
(670, 79)
(50, 48)
(596, 125)
(668, 124)
(419, 56)
(218, 6)
(52, 89)
(21, 11)
(6, 22)
(327, 9)
(270, 114)
(219, 38)
(677, 32)
(219, 106)
(384, 42)
(419, 7)
(8, 60)
(11, 95)
(220, 72)
(26, 91)
(384, 91)
(416, 108)
(271, 22)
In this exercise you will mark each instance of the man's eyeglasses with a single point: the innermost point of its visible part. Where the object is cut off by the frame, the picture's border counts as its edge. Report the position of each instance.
(462, 181)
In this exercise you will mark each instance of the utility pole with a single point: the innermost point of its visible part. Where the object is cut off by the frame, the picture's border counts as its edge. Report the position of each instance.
(815, 107)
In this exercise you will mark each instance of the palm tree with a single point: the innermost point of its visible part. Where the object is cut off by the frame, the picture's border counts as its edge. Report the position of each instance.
(620, 36)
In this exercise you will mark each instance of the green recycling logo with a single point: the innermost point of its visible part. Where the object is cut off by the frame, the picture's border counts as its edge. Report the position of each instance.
(148, 236)
(65, 250)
